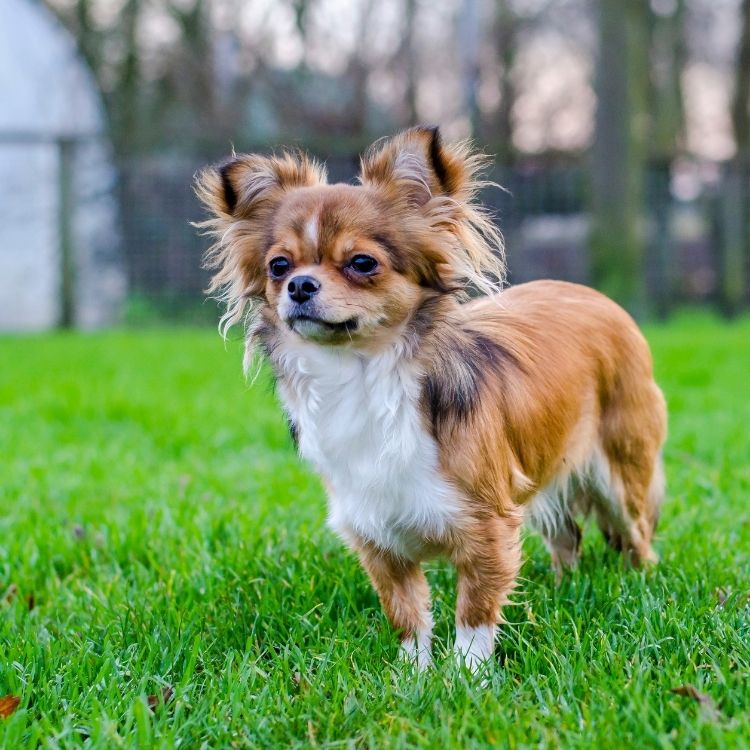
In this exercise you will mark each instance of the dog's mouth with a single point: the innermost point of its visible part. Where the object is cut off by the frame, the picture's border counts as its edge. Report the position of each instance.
(309, 325)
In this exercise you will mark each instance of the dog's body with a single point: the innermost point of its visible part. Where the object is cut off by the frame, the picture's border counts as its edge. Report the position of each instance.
(438, 427)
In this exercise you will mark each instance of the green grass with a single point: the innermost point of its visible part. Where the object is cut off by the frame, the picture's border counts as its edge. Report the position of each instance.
(152, 505)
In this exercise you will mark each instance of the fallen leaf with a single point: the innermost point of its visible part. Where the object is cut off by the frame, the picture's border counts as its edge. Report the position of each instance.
(300, 681)
(690, 691)
(10, 594)
(164, 697)
(721, 595)
(8, 704)
(706, 701)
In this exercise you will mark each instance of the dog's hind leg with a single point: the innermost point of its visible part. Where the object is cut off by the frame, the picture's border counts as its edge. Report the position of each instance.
(564, 545)
(552, 513)
(631, 476)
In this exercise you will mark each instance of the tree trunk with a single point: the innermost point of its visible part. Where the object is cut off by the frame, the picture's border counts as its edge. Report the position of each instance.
(740, 110)
(618, 158)
(735, 251)
(666, 139)
(733, 236)
(498, 124)
(468, 33)
(410, 62)
(125, 98)
(358, 72)
(667, 58)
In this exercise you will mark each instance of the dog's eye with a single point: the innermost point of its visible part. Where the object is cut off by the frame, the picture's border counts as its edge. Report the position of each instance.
(279, 266)
(363, 263)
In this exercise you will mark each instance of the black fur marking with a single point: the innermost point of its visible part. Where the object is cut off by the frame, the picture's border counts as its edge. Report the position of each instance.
(293, 431)
(436, 283)
(230, 195)
(448, 403)
(265, 335)
(494, 355)
(393, 251)
(436, 158)
(453, 389)
(427, 279)
(268, 242)
(572, 530)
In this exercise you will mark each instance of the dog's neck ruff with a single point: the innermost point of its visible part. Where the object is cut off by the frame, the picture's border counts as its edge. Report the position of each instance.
(359, 422)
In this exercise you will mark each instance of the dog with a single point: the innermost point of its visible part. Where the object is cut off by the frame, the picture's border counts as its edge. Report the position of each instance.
(441, 410)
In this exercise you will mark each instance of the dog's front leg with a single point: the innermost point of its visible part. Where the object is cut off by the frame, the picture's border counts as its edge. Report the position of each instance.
(488, 559)
(405, 596)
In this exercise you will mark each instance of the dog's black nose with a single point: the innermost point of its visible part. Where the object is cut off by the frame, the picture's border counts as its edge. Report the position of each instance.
(301, 288)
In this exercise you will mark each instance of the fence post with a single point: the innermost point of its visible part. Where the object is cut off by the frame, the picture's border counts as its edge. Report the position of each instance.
(734, 237)
(662, 277)
(65, 157)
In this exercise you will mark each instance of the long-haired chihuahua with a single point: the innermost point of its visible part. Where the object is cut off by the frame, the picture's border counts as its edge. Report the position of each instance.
(441, 411)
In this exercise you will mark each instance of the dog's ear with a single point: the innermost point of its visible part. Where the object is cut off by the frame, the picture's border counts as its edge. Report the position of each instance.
(433, 187)
(249, 184)
(242, 196)
(416, 166)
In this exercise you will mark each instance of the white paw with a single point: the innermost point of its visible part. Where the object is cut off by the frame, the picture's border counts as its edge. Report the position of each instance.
(474, 647)
(418, 650)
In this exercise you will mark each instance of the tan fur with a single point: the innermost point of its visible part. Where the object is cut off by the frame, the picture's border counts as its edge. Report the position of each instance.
(401, 586)
(258, 185)
(543, 388)
(581, 382)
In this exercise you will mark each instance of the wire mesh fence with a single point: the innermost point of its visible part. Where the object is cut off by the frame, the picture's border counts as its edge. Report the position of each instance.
(694, 239)
(541, 210)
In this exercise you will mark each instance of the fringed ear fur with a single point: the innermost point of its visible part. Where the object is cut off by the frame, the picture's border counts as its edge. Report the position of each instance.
(241, 196)
(439, 183)
(431, 186)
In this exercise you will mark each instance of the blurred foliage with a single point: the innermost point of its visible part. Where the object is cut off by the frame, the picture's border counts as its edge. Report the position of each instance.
(527, 78)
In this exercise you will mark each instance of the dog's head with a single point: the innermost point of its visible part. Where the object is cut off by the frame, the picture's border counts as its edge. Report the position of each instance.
(349, 264)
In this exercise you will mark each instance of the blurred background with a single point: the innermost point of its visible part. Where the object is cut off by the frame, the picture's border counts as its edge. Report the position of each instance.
(620, 130)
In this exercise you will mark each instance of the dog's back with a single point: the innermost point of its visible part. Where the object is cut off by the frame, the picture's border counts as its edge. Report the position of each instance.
(581, 417)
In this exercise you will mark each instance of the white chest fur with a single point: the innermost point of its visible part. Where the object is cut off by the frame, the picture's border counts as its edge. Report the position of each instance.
(359, 425)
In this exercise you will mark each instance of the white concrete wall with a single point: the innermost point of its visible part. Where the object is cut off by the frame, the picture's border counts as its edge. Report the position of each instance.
(29, 258)
(47, 93)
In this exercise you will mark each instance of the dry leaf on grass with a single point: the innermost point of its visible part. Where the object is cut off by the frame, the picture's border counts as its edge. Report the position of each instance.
(706, 701)
(690, 691)
(12, 592)
(8, 704)
(164, 697)
(721, 595)
(300, 681)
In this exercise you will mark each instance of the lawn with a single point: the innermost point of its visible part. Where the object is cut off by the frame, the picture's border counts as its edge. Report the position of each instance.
(166, 577)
